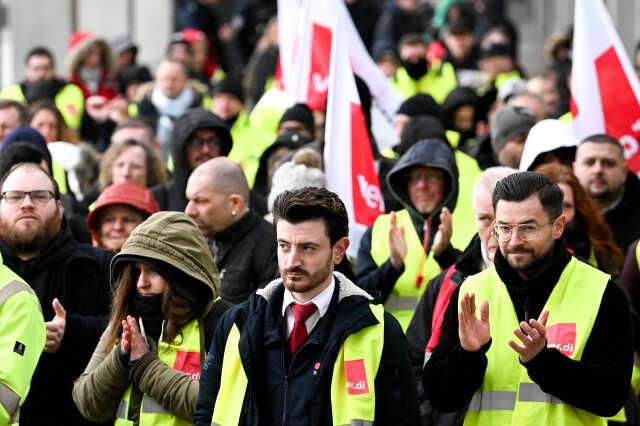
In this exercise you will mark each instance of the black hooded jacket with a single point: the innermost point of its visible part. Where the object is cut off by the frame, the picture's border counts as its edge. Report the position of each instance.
(171, 195)
(78, 275)
(379, 281)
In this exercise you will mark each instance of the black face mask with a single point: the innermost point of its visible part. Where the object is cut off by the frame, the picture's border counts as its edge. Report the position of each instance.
(149, 308)
(416, 69)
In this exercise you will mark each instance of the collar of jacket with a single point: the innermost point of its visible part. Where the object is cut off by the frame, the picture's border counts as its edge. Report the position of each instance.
(239, 229)
(352, 314)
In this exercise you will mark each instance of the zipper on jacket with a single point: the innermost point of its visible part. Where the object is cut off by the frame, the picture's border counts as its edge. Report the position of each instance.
(286, 387)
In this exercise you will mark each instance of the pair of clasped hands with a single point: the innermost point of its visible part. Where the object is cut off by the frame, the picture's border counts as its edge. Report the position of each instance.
(132, 342)
(474, 332)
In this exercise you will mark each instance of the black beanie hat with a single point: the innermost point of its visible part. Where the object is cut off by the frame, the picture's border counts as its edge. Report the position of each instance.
(27, 134)
(420, 104)
(229, 86)
(301, 114)
(418, 128)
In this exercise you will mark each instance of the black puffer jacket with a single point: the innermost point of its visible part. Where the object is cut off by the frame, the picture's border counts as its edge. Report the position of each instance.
(171, 195)
(379, 281)
(78, 275)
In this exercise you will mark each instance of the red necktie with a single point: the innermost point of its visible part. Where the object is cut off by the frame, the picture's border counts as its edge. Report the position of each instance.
(299, 333)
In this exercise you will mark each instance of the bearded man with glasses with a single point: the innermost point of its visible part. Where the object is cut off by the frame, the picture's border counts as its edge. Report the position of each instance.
(70, 281)
(541, 338)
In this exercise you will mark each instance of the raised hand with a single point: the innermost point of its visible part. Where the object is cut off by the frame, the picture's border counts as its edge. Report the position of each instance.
(443, 235)
(397, 243)
(55, 327)
(125, 340)
(473, 332)
(532, 335)
(139, 345)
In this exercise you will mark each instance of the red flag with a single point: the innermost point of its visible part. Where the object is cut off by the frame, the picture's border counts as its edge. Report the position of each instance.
(348, 158)
(605, 90)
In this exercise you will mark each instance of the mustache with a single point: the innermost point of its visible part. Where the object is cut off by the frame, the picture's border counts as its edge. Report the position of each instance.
(297, 270)
(519, 249)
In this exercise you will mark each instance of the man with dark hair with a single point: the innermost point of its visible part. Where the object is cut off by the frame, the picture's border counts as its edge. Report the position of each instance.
(70, 280)
(536, 348)
(12, 114)
(600, 167)
(313, 347)
(41, 83)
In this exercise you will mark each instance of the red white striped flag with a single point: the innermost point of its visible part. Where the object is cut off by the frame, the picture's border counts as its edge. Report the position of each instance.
(348, 159)
(605, 90)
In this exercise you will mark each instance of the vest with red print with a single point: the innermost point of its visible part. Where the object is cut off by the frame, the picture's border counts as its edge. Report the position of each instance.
(183, 355)
(507, 395)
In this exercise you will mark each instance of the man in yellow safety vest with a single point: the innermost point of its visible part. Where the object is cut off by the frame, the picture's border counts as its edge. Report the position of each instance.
(310, 348)
(541, 338)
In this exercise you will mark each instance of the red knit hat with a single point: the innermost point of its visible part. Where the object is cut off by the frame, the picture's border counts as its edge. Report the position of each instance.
(129, 194)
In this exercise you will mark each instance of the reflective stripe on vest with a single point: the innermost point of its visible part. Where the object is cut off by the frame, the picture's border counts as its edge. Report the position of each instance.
(183, 355)
(352, 382)
(438, 82)
(10, 401)
(507, 395)
(404, 296)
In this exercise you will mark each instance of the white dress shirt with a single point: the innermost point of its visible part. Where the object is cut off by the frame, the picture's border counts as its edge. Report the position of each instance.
(322, 302)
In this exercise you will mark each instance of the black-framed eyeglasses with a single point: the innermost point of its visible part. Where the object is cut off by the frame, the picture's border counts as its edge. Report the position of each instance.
(198, 142)
(39, 196)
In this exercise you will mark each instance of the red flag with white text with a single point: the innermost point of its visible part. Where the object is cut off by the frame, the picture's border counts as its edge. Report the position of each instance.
(349, 164)
(605, 90)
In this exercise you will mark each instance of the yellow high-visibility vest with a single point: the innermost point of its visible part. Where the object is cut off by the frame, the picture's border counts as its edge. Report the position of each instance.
(507, 395)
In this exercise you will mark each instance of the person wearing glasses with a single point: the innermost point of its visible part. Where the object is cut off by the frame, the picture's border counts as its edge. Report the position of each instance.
(541, 338)
(426, 325)
(198, 136)
(70, 280)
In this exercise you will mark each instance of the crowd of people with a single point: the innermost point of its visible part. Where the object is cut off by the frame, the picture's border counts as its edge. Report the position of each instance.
(170, 254)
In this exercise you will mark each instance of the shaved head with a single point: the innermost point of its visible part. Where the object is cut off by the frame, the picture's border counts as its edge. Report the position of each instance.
(218, 195)
(224, 175)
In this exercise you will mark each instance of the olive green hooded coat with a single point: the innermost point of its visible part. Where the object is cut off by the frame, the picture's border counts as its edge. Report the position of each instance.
(174, 239)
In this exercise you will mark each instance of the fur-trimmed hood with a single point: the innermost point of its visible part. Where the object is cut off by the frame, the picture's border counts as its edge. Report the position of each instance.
(79, 47)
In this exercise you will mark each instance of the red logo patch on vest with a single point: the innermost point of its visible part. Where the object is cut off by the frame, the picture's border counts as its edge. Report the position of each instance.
(71, 108)
(356, 377)
(562, 336)
(188, 363)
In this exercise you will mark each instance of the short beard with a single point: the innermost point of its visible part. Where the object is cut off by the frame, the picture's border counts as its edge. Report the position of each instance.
(21, 244)
(314, 280)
